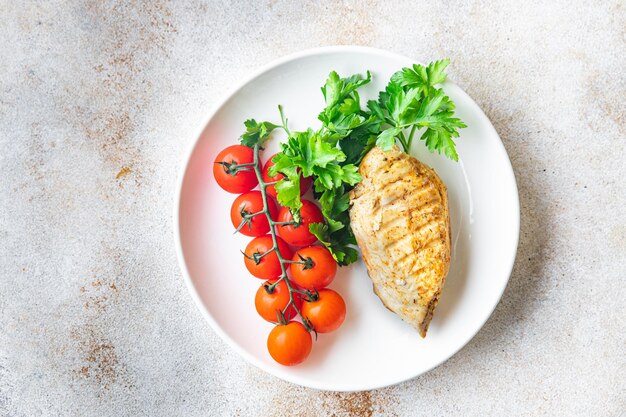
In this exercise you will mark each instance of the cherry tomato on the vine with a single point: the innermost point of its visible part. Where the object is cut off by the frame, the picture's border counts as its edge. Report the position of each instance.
(289, 344)
(265, 266)
(327, 313)
(299, 234)
(247, 204)
(269, 304)
(305, 183)
(316, 267)
(229, 175)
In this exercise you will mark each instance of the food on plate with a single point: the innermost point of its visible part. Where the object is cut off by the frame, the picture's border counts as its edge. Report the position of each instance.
(289, 343)
(399, 215)
(313, 267)
(243, 214)
(233, 169)
(262, 256)
(325, 311)
(296, 232)
(366, 192)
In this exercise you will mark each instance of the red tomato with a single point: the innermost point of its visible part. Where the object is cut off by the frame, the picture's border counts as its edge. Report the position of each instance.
(228, 176)
(299, 234)
(268, 266)
(289, 344)
(268, 305)
(317, 270)
(305, 183)
(327, 313)
(249, 203)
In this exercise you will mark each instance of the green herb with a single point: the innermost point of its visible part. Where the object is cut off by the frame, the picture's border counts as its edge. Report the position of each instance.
(256, 132)
(310, 154)
(423, 78)
(412, 101)
(343, 108)
(339, 243)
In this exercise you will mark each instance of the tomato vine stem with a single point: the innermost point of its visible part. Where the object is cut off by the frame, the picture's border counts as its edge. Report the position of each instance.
(283, 262)
(232, 168)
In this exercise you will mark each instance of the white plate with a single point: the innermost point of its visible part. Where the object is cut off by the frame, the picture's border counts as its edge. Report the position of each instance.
(373, 348)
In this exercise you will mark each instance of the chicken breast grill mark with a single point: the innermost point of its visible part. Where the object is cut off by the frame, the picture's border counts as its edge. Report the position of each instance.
(399, 215)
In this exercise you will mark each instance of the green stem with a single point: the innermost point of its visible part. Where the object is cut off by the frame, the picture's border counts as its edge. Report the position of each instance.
(295, 262)
(244, 165)
(283, 262)
(271, 287)
(232, 168)
(403, 142)
(284, 120)
(257, 259)
(289, 223)
(413, 128)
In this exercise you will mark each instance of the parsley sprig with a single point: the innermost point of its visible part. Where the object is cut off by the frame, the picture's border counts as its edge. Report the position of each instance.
(411, 102)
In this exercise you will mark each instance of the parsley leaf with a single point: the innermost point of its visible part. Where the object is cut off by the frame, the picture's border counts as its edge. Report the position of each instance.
(441, 141)
(343, 109)
(376, 109)
(337, 88)
(338, 243)
(387, 138)
(333, 176)
(335, 204)
(422, 78)
(256, 132)
(288, 189)
(400, 102)
(360, 140)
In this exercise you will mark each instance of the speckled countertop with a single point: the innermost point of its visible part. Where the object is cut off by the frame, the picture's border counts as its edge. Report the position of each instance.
(98, 101)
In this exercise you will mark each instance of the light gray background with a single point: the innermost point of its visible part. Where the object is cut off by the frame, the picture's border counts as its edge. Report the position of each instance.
(99, 100)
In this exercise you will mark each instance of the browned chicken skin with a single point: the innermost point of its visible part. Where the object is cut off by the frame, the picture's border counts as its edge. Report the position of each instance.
(399, 215)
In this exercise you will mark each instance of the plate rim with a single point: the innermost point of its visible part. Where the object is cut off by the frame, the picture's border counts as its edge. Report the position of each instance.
(184, 163)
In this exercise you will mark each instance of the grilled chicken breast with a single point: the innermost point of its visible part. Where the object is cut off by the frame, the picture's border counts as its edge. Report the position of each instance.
(399, 215)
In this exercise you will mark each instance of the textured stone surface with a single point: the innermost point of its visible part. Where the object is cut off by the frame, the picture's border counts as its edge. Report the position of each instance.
(98, 101)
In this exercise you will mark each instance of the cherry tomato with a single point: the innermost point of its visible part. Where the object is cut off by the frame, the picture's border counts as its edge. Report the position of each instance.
(327, 312)
(305, 183)
(289, 344)
(268, 266)
(228, 176)
(317, 270)
(249, 203)
(267, 305)
(299, 234)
